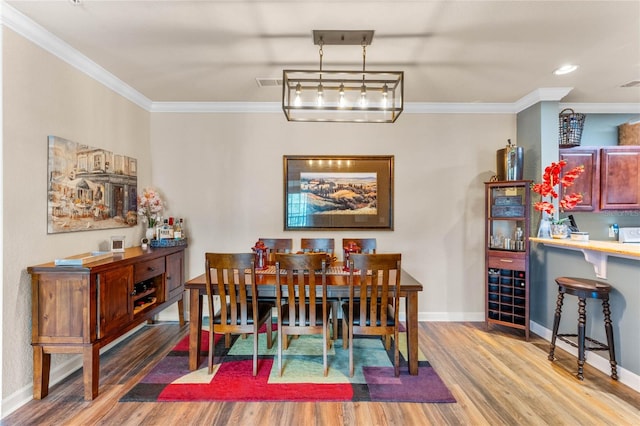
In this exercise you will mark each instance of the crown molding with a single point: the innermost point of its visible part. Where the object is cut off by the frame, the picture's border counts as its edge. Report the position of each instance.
(595, 108)
(35, 33)
(32, 31)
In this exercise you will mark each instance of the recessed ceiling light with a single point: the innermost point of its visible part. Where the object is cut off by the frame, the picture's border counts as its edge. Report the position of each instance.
(565, 69)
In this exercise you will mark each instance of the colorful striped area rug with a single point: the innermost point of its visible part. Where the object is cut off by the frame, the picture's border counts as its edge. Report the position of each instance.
(302, 378)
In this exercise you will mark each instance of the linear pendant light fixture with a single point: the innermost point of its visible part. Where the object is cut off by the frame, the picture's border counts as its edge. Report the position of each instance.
(342, 96)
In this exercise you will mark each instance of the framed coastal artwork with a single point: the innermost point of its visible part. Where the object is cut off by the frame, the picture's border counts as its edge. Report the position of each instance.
(89, 188)
(338, 192)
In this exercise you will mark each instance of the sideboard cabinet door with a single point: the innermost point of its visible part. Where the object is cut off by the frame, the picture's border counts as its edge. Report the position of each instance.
(175, 275)
(620, 178)
(116, 309)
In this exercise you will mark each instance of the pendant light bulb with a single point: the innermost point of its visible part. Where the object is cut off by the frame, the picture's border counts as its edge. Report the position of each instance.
(320, 94)
(363, 96)
(342, 101)
(297, 101)
(385, 96)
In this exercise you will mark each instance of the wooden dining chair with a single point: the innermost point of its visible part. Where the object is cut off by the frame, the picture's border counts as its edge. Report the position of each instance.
(277, 245)
(326, 245)
(376, 277)
(238, 314)
(367, 245)
(299, 280)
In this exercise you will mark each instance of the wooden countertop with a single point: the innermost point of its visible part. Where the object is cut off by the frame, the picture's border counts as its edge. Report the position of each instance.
(595, 252)
(612, 248)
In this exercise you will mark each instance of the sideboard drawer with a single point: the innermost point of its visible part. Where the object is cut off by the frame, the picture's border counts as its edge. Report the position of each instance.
(149, 269)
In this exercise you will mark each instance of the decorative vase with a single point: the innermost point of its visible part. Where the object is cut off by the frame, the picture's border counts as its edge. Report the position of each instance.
(150, 233)
(544, 230)
(559, 230)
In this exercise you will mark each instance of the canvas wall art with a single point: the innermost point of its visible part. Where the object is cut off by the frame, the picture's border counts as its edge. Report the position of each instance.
(89, 188)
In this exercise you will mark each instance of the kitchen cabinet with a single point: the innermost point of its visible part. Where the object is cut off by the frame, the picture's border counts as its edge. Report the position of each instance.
(620, 178)
(611, 180)
(507, 230)
(588, 184)
(80, 309)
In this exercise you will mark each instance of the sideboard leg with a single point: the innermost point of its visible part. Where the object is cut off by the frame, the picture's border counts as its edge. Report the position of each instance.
(181, 311)
(91, 371)
(41, 368)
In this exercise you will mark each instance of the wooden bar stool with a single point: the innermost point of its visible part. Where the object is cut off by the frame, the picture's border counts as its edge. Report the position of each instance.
(584, 289)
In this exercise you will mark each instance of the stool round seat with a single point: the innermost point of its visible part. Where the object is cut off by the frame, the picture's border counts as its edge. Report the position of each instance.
(584, 288)
(591, 289)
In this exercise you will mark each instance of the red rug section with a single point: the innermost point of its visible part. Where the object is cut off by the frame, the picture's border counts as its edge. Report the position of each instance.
(234, 381)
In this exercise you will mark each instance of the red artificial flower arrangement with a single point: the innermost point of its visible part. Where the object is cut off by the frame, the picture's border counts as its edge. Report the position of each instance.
(550, 179)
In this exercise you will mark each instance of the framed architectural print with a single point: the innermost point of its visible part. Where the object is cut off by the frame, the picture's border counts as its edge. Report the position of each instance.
(338, 192)
(89, 188)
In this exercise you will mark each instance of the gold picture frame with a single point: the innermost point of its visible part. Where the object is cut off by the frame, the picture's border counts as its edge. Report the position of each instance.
(324, 192)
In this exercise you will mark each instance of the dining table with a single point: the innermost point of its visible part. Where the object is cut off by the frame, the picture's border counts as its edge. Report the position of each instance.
(338, 286)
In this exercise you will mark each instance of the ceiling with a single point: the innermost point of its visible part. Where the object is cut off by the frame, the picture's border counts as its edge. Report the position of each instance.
(451, 51)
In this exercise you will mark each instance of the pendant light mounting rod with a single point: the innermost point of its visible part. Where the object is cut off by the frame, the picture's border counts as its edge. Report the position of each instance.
(343, 37)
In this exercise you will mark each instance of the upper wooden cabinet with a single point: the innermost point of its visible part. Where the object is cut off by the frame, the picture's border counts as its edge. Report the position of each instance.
(620, 177)
(588, 184)
(611, 180)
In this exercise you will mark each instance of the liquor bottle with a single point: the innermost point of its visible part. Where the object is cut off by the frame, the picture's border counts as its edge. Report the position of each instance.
(165, 231)
(183, 229)
(177, 230)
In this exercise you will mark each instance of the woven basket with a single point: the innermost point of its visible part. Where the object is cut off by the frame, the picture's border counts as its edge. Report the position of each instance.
(629, 134)
(168, 243)
(571, 125)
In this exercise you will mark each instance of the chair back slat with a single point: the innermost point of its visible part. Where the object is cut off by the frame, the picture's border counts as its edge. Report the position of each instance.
(326, 245)
(378, 278)
(301, 274)
(230, 271)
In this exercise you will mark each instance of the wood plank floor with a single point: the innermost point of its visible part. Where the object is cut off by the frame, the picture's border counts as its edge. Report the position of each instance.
(496, 377)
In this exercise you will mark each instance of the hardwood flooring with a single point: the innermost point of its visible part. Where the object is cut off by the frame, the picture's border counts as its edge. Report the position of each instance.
(496, 376)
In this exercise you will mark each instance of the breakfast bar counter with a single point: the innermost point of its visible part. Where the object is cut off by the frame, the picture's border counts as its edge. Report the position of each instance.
(595, 252)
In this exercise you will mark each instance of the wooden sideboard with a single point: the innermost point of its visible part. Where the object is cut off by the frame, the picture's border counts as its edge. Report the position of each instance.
(79, 309)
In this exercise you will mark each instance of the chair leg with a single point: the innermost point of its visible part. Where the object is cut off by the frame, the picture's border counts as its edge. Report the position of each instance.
(255, 349)
(269, 325)
(582, 320)
(227, 340)
(350, 351)
(334, 317)
(210, 356)
(345, 333)
(556, 325)
(609, 330)
(279, 348)
(325, 343)
(396, 353)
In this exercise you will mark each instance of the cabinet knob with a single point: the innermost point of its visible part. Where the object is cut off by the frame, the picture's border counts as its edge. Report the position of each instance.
(151, 269)
(168, 277)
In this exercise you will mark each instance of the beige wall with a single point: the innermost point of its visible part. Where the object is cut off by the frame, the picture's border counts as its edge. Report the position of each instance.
(44, 96)
(223, 173)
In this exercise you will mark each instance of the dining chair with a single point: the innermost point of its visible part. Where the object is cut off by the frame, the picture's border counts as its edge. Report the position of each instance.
(326, 245)
(377, 280)
(238, 314)
(277, 245)
(301, 311)
(367, 245)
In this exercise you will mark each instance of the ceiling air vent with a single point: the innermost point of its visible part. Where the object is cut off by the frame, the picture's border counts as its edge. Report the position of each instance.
(633, 83)
(268, 81)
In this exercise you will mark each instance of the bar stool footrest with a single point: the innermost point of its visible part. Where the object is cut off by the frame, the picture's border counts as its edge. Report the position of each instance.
(598, 346)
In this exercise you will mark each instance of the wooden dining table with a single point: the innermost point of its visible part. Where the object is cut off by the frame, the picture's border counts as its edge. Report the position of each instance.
(338, 286)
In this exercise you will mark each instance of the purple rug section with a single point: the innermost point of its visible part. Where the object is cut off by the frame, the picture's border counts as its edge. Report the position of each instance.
(385, 386)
